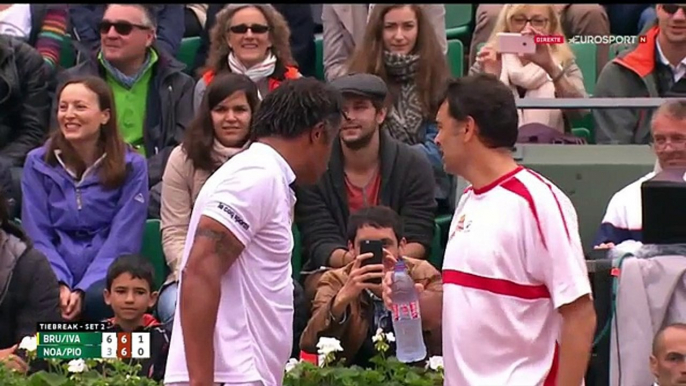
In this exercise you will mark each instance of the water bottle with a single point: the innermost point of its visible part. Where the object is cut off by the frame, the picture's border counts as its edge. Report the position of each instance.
(407, 320)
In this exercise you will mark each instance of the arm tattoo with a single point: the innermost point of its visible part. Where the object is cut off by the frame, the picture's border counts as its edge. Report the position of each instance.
(225, 246)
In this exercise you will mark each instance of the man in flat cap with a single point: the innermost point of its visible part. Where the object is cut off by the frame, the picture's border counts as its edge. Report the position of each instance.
(367, 168)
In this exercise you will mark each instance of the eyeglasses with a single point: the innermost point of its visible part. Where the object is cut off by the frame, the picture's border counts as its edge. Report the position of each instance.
(536, 22)
(254, 28)
(121, 27)
(673, 8)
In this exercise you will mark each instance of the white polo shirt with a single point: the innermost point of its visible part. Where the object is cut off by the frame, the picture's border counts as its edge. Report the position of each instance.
(513, 258)
(251, 196)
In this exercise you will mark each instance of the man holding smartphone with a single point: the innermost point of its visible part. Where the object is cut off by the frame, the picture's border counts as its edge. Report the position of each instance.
(348, 304)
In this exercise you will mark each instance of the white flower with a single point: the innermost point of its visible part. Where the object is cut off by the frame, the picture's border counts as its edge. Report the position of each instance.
(76, 366)
(291, 364)
(321, 360)
(435, 363)
(381, 337)
(378, 336)
(327, 346)
(390, 337)
(29, 343)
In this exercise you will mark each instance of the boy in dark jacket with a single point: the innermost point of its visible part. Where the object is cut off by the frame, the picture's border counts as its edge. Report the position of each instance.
(129, 292)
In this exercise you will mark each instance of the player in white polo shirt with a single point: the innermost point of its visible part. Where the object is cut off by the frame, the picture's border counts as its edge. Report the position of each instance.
(516, 306)
(234, 317)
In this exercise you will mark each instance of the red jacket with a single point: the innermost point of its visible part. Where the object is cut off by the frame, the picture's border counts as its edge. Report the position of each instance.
(291, 73)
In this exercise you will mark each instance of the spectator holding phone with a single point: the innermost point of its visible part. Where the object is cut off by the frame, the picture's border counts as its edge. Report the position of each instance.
(348, 304)
(550, 72)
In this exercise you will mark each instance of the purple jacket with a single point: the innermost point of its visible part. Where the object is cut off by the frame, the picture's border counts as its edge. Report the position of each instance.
(80, 226)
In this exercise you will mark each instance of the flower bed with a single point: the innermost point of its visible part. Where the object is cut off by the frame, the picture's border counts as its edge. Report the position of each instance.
(387, 371)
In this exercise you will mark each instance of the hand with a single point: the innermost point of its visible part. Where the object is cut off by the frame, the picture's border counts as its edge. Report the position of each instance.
(543, 57)
(12, 361)
(65, 293)
(605, 246)
(359, 277)
(73, 310)
(489, 59)
(387, 289)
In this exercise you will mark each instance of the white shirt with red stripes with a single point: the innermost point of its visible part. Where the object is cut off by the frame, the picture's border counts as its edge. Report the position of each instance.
(513, 257)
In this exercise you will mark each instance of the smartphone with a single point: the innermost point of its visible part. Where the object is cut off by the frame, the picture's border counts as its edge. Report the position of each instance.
(376, 248)
(515, 43)
(372, 246)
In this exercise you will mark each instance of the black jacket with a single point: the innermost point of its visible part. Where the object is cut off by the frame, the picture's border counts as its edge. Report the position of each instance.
(407, 187)
(169, 108)
(154, 366)
(29, 292)
(24, 99)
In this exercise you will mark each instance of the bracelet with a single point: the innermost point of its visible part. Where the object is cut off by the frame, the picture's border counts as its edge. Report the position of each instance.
(563, 72)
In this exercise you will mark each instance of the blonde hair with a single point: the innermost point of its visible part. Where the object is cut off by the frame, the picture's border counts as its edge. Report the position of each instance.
(561, 52)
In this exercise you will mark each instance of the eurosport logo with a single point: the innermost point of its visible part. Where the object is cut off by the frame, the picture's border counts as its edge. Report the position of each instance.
(608, 39)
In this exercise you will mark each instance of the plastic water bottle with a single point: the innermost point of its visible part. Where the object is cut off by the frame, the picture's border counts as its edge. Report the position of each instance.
(407, 320)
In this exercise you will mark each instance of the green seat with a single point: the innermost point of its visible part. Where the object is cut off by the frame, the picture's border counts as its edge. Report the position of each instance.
(458, 18)
(188, 51)
(67, 53)
(152, 250)
(443, 223)
(584, 133)
(586, 60)
(456, 57)
(319, 65)
(436, 257)
(296, 256)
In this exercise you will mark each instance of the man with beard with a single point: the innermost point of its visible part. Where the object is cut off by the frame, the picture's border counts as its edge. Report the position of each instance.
(653, 68)
(623, 218)
(367, 168)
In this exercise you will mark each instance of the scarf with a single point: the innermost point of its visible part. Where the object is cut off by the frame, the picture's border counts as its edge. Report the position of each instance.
(256, 73)
(537, 84)
(405, 119)
(123, 79)
(221, 153)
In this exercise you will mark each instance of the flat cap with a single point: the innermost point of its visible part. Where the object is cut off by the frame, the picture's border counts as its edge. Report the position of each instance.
(367, 85)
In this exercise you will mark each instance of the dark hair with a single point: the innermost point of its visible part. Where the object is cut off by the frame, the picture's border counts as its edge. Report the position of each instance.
(135, 265)
(4, 209)
(490, 103)
(295, 107)
(432, 67)
(199, 136)
(113, 169)
(375, 217)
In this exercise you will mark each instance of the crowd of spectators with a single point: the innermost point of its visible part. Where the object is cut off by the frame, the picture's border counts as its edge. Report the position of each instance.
(89, 153)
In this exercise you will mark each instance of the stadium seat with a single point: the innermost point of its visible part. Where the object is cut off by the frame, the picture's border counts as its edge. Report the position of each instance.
(296, 256)
(436, 256)
(189, 48)
(458, 18)
(152, 250)
(67, 53)
(456, 58)
(319, 65)
(443, 223)
(586, 60)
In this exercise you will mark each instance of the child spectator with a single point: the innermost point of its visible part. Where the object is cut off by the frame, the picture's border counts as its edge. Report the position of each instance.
(129, 292)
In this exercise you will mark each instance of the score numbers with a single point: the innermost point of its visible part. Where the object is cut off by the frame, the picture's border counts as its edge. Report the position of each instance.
(125, 345)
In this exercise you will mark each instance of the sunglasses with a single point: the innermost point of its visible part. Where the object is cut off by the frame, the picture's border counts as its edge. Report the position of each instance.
(122, 27)
(254, 28)
(673, 8)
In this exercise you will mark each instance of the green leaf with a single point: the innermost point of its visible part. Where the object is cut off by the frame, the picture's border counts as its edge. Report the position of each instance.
(48, 379)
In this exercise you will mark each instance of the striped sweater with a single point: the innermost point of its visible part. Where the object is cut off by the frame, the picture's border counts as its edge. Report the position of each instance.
(53, 32)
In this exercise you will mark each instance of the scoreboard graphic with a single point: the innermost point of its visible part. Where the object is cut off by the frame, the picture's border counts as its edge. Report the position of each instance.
(88, 341)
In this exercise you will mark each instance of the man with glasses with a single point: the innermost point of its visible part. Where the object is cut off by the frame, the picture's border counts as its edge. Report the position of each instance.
(652, 69)
(348, 305)
(153, 96)
(623, 219)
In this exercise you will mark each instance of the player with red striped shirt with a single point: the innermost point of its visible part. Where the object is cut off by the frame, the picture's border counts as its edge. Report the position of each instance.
(517, 306)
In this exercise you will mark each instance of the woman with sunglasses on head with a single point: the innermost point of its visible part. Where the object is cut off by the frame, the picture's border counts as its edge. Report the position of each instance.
(85, 196)
(252, 40)
(220, 131)
(550, 72)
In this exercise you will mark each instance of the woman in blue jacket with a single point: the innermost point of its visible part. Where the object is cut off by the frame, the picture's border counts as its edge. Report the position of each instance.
(85, 197)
